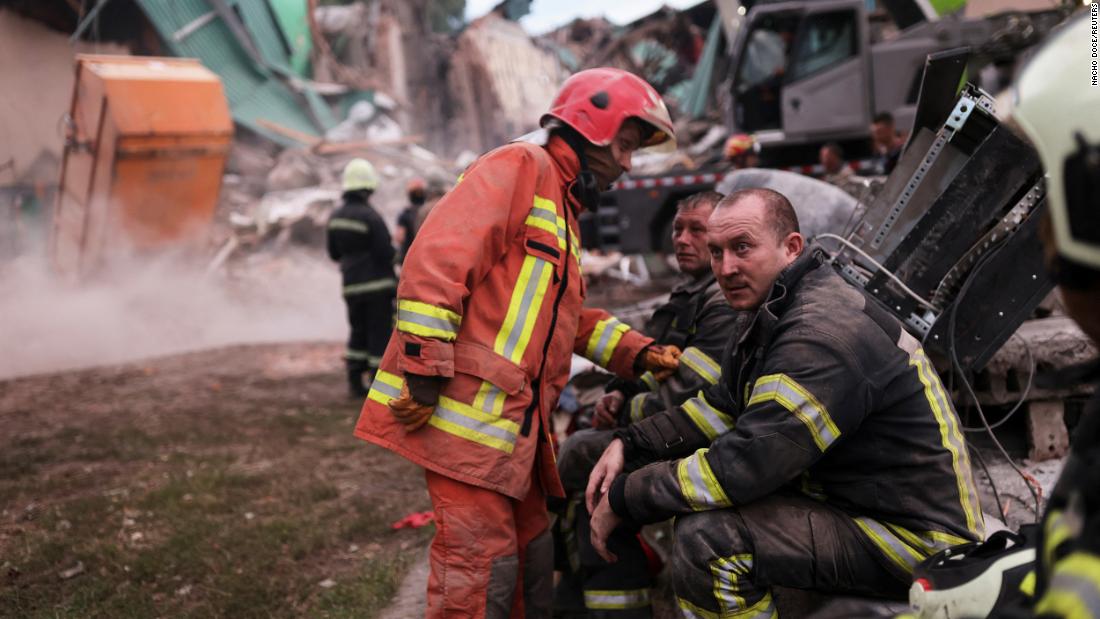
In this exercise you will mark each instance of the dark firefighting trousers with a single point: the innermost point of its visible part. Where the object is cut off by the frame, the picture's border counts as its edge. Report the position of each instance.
(370, 315)
(725, 561)
(492, 556)
(602, 589)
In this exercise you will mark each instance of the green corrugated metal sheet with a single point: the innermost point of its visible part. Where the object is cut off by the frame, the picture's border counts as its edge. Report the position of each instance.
(254, 93)
(291, 17)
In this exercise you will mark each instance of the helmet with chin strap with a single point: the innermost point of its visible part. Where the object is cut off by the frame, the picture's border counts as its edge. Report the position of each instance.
(596, 103)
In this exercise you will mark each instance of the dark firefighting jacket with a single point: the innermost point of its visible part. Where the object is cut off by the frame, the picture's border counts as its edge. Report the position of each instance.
(359, 240)
(698, 321)
(823, 391)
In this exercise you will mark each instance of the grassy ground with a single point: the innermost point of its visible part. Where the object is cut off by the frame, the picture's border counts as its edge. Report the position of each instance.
(205, 485)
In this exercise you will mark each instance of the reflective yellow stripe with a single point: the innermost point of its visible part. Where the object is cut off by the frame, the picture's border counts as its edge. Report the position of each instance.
(1027, 585)
(467, 422)
(427, 320)
(605, 337)
(764, 609)
(1055, 531)
(707, 368)
(523, 309)
(637, 408)
(952, 439)
(1074, 590)
(698, 484)
(459, 179)
(783, 390)
(385, 387)
(615, 599)
(726, 573)
(900, 553)
(351, 225)
(388, 283)
(650, 381)
(711, 421)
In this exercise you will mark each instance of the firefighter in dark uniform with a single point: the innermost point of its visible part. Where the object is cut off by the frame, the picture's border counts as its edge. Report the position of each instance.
(827, 457)
(696, 320)
(359, 241)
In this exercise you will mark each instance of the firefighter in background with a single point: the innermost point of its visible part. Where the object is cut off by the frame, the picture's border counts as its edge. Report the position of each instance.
(489, 313)
(740, 151)
(359, 241)
(407, 221)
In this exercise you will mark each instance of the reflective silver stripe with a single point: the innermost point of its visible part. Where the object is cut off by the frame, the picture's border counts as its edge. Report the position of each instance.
(790, 395)
(900, 553)
(604, 339)
(1075, 587)
(698, 484)
(701, 364)
(385, 387)
(356, 355)
(378, 284)
(726, 572)
(711, 421)
(637, 408)
(611, 599)
(469, 423)
(438, 324)
(340, 223)
(532, 287)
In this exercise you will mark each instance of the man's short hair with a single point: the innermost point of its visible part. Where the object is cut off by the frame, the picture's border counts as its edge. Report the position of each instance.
(883, 117)
(834, 148)
(781, 215)
(708, 199)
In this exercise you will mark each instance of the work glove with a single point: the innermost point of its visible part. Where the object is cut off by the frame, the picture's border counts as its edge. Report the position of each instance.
(419, 396)
(662, 361)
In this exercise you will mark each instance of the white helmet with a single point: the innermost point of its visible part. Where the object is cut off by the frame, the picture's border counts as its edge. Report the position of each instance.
(1057, 105)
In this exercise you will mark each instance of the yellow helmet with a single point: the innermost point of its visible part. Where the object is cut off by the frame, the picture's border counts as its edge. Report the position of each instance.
(360, 174)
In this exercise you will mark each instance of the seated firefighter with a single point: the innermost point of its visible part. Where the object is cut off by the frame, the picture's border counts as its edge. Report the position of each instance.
(697, 320)
(828, 456)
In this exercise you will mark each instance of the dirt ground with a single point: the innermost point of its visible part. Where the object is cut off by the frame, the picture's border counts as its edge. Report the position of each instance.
(219, 483)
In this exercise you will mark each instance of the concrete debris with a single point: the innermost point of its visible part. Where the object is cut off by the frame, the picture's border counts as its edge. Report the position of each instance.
(72, 572)
(294, 169)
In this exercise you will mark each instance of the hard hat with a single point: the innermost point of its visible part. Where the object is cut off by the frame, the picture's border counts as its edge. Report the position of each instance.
(415, 184)
(360, 174)
(738, 144)
(1055, 103)
(596, 102)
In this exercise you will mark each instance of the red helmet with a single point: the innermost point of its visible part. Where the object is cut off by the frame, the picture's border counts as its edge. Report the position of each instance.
(595, 102)
(738, 145)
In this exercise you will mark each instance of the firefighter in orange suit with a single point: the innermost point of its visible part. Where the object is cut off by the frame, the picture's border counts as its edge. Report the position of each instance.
(490, 312)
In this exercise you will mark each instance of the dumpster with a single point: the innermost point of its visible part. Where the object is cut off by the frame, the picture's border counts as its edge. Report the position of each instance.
(145, 150)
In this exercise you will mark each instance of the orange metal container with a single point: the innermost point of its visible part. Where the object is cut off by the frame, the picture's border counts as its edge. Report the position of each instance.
(144, 156)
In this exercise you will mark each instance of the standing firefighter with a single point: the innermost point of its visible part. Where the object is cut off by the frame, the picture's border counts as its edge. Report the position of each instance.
(359, 241)
(407, 221)
(489, 315)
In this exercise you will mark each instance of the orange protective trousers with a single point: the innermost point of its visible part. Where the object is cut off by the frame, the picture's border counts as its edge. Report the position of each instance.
(492, 556)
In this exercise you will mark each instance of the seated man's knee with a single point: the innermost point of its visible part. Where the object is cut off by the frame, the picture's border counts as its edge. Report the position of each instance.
(704, 537)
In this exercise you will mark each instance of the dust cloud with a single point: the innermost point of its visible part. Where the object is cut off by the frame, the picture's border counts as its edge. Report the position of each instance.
(151, 308)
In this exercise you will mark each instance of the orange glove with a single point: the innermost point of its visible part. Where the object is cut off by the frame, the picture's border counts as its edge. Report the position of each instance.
(661, 360)
(409, 412)
(412, 413)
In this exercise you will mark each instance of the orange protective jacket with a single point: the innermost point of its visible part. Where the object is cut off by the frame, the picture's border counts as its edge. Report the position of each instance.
(491, 297)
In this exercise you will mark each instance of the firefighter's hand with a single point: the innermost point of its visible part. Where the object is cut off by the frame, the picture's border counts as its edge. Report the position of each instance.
(611, 463)
(414, 407)
(607, 410)
(602, 523)
(661, 360)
